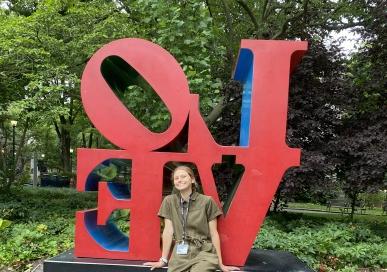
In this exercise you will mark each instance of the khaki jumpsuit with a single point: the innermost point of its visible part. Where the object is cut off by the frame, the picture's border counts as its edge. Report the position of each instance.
(201, 255)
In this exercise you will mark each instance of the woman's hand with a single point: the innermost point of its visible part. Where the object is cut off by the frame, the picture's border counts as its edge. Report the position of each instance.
(167, 242)
(155, 265)
(225, 268)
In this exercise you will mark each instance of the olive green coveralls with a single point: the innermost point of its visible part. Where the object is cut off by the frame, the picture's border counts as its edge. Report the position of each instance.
(201, 255)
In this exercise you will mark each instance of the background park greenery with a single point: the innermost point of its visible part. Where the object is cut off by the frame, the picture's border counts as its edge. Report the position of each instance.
(337, 108)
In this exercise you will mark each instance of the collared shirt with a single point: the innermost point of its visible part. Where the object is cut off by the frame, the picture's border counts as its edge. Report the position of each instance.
(202, 209)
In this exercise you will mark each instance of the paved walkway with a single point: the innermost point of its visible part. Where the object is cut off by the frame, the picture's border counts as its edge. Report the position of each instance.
(37, 268)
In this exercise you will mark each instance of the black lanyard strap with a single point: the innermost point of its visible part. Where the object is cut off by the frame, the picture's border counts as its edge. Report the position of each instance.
(184, 215)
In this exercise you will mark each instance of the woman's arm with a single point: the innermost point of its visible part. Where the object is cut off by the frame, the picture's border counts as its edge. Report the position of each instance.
(216, 242)
(167, 242)
(167, 238)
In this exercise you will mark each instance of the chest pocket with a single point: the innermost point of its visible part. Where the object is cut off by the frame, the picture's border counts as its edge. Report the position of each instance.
(197, 221)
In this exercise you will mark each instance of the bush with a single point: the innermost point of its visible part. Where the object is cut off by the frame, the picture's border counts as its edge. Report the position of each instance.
(326, 246)
(13, 211)
(40, 223)
(373, 199)
(25, 242)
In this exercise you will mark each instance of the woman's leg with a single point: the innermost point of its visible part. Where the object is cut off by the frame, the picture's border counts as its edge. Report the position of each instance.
(203, 266)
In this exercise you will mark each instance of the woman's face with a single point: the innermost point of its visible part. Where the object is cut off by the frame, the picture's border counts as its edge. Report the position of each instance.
(182, 180)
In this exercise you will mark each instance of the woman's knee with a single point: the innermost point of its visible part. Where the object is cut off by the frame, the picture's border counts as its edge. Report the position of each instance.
(203, 267)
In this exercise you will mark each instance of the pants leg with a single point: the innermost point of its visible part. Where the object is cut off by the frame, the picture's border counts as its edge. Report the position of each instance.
(203, 266)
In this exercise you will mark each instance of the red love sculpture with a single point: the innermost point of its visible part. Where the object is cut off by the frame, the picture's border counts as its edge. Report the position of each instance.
(264, 67)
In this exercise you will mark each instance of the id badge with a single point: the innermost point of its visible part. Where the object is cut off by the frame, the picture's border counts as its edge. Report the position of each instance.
(182, 249)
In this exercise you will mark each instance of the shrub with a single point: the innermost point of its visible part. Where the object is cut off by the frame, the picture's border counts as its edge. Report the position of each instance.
(42, 223)
(25, 242)
(328, 246)
(43, 226)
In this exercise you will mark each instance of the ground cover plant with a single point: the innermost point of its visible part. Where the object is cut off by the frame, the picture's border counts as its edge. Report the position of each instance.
(328, 242)
(39, 223)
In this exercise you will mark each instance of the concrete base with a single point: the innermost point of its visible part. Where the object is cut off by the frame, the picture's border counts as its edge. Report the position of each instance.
(258, 260)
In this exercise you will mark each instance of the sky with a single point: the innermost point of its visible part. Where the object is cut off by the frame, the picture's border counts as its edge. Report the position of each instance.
(350, 40)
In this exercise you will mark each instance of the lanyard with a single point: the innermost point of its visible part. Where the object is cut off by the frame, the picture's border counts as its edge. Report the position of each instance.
(184, 215)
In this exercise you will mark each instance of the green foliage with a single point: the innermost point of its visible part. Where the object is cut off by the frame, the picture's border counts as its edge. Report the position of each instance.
(133, 90)
(325, 243)
(41, 61)
(4, 224)
(30, 241)
(121, 218)
(107, 172)
(13, 210)
(42, 223)
(373, 200)
(186, 30)
(45, 47)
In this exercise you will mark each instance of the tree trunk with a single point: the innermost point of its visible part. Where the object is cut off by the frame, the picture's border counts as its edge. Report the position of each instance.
(353, 197)
(277, 199)
(90, 140)
(276, 203)
(65, 150)
(83, 140)
(13, 166)
(65, 144)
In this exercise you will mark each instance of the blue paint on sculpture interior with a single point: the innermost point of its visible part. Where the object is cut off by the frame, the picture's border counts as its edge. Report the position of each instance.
(92, 182)
(107, 236)
(244, 74)
(93, 178)
(119, 190)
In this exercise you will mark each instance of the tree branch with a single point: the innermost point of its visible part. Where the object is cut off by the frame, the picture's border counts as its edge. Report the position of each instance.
(71, 111)
(263, 11)
(267, 10)
(22, 140)
(216, 111)
(229, 31)
(75, 115)
(57, 129)
(62, 119)
(250, 14)
(83, 139)
(286, 22)
(305, 9)
(343, 26)
(282, 30)
(209, 8)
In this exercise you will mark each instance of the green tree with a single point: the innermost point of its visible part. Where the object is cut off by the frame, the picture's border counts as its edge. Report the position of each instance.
(316, 86)
(48, 50)
(45, 51)
(360, 149)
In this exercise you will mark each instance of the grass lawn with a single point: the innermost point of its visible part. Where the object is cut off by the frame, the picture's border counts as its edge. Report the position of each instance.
(358, 218)
(312, 206)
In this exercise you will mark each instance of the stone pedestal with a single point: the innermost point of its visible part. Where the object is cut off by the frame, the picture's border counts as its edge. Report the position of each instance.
(258, 260)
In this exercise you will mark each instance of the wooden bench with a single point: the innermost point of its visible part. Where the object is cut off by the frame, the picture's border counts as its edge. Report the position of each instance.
(384, 207)
(344, 205)
(360, 206)
(341, 204)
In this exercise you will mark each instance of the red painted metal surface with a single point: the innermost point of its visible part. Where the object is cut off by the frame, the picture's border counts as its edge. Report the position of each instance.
(265, 159)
